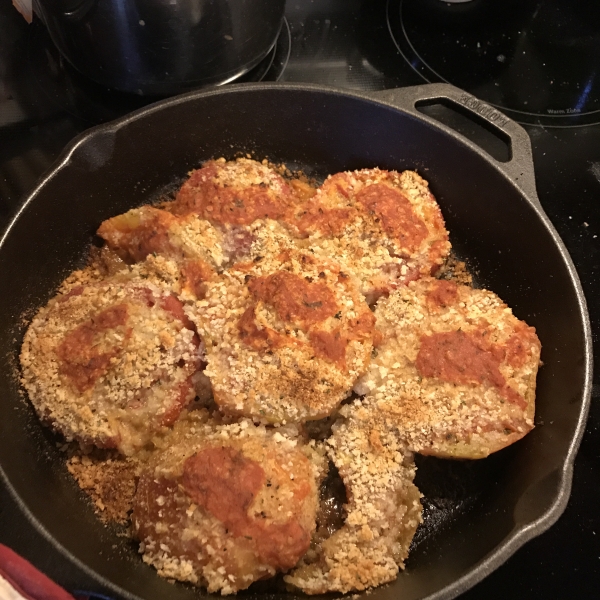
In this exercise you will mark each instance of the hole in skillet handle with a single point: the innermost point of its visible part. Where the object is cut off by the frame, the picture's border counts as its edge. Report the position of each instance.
(487, 123)
(488, 137)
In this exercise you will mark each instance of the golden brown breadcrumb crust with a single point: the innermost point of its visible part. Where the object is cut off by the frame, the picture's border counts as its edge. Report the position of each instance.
(269, 278)
(149, 230)
(384, 227)
(234, 193)
(456, 372)
(110, 481)
(225, 505)
(279, 366)
(109, 363)
(383, 510)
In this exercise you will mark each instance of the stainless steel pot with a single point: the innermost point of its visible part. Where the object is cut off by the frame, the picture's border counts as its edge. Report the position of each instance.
(162, 47)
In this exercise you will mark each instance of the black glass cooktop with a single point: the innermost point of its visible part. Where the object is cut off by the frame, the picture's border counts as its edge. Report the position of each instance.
(535, 60)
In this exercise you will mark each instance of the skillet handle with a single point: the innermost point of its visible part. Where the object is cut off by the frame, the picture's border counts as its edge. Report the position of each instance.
(520, 166)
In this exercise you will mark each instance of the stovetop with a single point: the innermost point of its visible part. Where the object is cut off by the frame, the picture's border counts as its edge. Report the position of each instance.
(535, 60)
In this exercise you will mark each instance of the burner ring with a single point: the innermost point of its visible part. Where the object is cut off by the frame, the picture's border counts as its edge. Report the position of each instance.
(520, 65)
(272, 66)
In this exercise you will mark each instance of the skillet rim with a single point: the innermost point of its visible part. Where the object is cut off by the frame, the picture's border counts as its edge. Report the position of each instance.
(401, 100)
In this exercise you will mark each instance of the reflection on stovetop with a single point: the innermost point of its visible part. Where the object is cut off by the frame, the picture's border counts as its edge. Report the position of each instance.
(355, 45)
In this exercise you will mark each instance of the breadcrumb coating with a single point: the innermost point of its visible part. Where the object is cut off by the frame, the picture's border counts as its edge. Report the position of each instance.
(226, 505)
(456, 371)
(149, 230)
(110, 363)
(286, 337)
(250, 292)
(384, 227)
(383, 509)
(234, 193)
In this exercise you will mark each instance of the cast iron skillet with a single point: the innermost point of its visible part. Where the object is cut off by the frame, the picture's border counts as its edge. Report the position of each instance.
(478, 513)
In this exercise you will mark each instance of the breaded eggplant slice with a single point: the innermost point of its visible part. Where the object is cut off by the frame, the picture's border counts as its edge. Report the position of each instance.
(149, 230)
(234, 193)
(109, 364)
(198, 249)
(456, 371)
(383, 509)
(384, 227)
(286, 337)
(226, 505)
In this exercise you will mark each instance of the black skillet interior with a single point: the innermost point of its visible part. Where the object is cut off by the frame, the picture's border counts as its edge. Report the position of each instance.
(477, 513)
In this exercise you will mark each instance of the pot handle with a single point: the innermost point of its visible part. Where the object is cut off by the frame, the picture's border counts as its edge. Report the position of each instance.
(520, 166)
